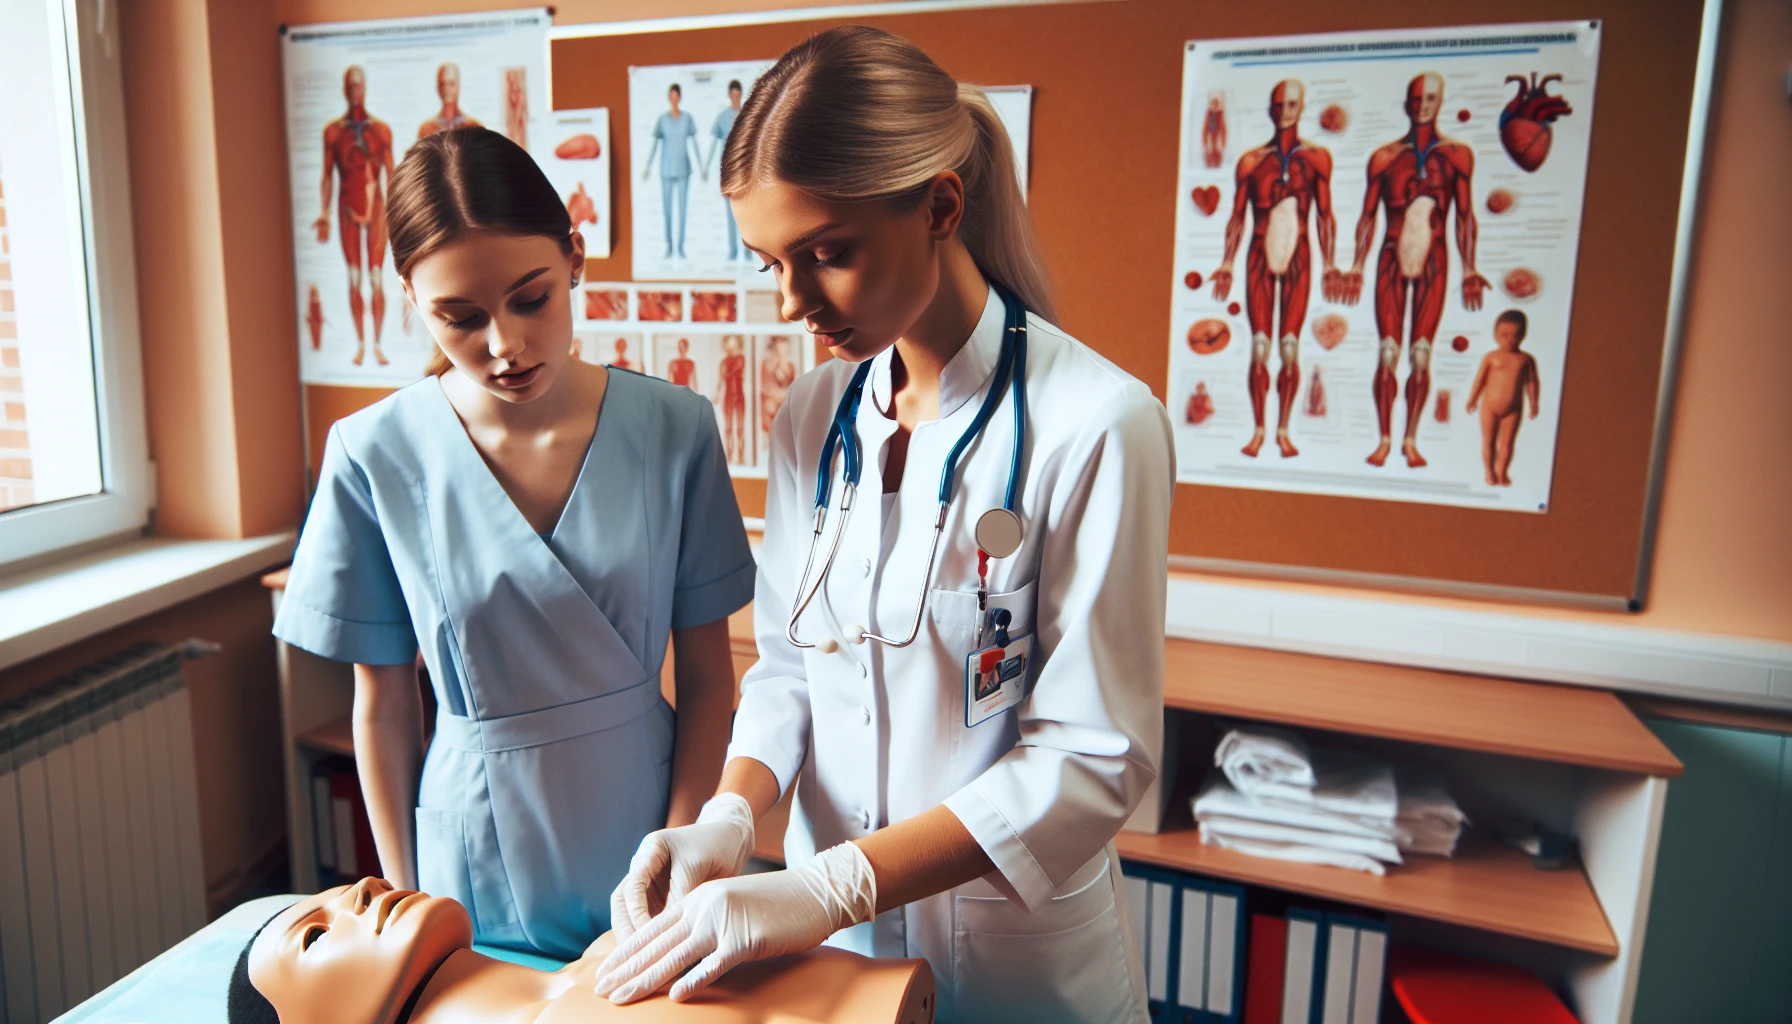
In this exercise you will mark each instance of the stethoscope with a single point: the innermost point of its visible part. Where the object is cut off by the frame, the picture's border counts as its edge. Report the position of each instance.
(998, 531)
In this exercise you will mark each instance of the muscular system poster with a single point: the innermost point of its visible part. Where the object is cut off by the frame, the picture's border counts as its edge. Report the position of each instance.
(1376, 236)
(358, 94)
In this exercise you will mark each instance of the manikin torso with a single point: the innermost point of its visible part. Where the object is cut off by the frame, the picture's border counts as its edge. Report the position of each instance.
(824, 986)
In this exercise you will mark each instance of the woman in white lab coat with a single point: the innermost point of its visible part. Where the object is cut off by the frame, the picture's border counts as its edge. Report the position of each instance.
(881, 196)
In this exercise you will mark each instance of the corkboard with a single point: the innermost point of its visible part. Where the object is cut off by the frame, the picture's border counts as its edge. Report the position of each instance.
(1106, 111)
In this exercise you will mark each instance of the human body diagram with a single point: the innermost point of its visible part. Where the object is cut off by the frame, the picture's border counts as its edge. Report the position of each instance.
(357, 164)
(1417, 179)
(724, 123)
(1506, 380)
(675, 141)
(1280, 185)
(451, 115)
(732, 397)
(776, 373)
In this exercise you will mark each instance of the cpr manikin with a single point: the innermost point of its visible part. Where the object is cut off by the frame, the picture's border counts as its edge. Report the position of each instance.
(371, 954)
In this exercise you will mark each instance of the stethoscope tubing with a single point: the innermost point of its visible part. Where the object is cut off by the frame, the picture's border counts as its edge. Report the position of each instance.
(843, 438)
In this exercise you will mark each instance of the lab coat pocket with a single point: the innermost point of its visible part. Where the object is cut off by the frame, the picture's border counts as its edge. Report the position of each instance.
(1065, 962)
(443, 867)
(955, 615)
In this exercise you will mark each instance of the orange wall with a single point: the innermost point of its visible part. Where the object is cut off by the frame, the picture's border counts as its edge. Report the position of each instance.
(222, 363)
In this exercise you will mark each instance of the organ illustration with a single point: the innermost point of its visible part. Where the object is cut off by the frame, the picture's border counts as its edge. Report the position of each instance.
(1315, 406)
(1209, 336)
(583, 146)
(1525, 123)
(1200, 405)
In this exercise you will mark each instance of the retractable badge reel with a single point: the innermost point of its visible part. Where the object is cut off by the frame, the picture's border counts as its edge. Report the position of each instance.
(995, 674)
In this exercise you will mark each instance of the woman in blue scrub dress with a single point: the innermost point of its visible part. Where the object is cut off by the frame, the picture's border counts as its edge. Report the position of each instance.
(540, 527)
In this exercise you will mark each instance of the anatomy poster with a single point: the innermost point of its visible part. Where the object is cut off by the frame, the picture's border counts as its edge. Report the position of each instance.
(358, 94)
(724, 342)
(679, 115)
(573, 149)
(1376, 236)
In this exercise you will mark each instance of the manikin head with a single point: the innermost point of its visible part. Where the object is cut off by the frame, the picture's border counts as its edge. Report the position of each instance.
(1510, 328)
(355, 954)
(1424, 97)
(861, 173)
(673, 95)
(1286, 102)
(488, 256)
(734, 94)
(354, 86)
(448, 83)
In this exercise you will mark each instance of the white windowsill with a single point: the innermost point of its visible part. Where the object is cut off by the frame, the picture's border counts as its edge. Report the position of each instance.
(66, 602)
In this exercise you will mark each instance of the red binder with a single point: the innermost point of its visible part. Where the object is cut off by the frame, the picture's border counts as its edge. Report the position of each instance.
(1263, 979)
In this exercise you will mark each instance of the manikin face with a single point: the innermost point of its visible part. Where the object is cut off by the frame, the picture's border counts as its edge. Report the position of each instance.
(354, 86)
(856, 275)
(498, 306)
(354, 954)
(1286, 101)
(1506, 335)
(448, 83)
(1424, 95)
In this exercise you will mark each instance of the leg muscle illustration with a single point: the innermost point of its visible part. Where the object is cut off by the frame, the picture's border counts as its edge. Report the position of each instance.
(1279, 184)
(1416, 178)
(357, 163)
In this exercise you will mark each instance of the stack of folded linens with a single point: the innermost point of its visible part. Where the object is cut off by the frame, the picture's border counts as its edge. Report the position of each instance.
(1271, 795)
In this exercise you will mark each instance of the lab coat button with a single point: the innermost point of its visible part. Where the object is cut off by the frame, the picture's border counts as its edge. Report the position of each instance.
(868, 566)
(864, 715)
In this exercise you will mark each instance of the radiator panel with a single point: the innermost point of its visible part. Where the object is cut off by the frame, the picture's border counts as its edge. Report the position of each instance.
(99, 830)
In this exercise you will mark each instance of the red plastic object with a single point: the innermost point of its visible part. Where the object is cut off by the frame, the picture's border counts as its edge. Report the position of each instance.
(1439, 988)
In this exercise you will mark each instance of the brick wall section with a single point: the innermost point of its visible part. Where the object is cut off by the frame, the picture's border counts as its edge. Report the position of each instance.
(15, 448)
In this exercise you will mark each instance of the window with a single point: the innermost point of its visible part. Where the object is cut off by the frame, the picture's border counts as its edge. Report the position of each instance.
(73, 463)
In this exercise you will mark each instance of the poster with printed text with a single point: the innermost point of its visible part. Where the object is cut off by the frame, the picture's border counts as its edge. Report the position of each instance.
(723, 341)
(358, 95)
(573, 149)
(1376, 236)
(1014, 105)
(679, 115)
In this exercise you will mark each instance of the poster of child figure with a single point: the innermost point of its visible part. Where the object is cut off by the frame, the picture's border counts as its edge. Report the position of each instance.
(679, 116)
(720, 368)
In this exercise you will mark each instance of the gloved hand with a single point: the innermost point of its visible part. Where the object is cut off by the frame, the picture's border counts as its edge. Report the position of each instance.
(673, 861)
(729, 921)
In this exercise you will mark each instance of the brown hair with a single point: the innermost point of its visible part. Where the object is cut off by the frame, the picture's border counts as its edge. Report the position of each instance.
(467, 179)
(857, 113)
(1516, 318)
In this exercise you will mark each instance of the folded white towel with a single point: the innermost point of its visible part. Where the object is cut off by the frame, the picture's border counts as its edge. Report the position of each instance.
(1429, 819)
(1262, 831)
(1263, 757)
(1297, 852)
(1219, 798)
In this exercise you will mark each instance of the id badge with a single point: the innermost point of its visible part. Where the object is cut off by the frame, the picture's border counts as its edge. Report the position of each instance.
(995, 679)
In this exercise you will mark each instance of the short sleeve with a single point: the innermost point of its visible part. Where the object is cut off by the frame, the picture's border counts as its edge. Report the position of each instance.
(343, 600)
(715, 565)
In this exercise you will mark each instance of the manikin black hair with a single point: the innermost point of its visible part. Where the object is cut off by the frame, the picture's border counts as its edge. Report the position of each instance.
(243, 1004)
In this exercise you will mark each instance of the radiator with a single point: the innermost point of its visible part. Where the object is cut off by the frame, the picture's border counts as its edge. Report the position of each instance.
(99, 829)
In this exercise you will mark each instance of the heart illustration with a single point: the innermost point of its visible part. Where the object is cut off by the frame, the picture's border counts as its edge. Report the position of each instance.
(1207, 199)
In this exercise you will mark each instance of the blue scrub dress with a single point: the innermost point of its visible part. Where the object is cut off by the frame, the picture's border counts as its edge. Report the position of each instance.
(552, 749)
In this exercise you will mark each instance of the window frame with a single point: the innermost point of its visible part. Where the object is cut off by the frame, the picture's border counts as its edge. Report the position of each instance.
(94, 62)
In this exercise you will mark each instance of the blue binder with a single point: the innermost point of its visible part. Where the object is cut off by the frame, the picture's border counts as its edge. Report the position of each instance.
(1210, 949)
(1356, 951)
(1303, 974)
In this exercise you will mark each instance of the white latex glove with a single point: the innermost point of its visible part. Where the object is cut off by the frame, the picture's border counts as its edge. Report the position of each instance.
(673, 861)
(727, 922)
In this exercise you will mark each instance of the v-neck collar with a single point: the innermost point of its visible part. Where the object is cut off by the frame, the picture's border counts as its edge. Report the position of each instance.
(965, 374)
(578, 484)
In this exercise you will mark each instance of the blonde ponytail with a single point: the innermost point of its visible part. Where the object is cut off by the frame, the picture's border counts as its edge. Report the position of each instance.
(857, 113)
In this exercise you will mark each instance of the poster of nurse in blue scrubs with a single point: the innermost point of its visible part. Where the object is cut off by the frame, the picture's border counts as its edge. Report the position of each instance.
(679, 116)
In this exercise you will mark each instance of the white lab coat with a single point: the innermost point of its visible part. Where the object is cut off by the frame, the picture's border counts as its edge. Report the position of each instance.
(877, 735)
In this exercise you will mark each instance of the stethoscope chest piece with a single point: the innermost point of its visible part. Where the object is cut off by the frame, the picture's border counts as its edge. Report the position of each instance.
(999, 533)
